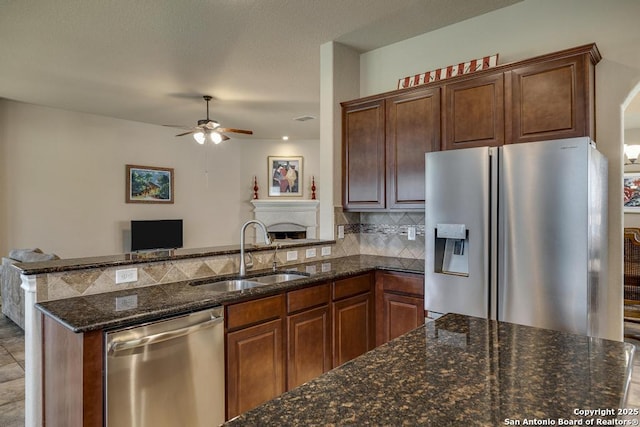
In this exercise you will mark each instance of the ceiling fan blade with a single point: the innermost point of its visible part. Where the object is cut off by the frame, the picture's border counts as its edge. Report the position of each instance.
(224, 137)
(186, 133)
(247, 132)
(178, 127)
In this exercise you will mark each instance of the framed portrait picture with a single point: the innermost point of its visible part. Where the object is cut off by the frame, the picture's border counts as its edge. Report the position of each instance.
(285, 176)
(632, 192)
(147, 184)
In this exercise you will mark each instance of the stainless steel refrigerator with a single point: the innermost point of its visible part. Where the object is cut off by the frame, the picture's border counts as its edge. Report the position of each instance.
(519, 233)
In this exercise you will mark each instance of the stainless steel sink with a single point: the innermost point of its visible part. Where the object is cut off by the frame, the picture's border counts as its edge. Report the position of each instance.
(277, 278)
(230, 285)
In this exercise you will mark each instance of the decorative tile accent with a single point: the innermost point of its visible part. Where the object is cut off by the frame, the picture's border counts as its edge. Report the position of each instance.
(381, 233)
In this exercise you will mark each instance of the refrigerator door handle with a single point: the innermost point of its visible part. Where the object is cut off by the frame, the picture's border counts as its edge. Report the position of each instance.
(494, 224)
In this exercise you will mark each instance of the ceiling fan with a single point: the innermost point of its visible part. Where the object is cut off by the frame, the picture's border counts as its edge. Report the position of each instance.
(211, 130)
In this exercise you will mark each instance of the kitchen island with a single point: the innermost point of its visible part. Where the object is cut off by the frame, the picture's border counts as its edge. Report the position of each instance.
(465, 371)
(338, 293)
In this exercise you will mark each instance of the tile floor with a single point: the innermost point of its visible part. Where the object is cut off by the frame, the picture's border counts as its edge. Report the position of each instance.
(12, 371)
(11, 374)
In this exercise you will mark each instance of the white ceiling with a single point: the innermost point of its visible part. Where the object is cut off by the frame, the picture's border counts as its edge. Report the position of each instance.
(152, 60)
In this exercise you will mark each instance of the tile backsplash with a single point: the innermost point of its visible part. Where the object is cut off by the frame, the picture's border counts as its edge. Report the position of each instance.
(384, 233)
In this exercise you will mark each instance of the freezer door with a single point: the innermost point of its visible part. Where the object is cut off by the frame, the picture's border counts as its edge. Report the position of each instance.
(457, 194)
(544, 230)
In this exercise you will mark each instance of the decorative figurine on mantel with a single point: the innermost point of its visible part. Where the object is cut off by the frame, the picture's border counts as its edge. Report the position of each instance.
(313, 188)
(255, 188)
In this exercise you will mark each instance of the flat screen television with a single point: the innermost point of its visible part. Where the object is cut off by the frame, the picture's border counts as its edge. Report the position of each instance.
(156, 234)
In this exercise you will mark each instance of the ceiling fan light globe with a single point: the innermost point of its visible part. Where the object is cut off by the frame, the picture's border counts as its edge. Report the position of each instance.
(632, 152)
(216, 138)
(199, 137)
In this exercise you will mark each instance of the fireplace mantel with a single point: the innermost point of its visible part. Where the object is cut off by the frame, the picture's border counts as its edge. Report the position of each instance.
(301, 212)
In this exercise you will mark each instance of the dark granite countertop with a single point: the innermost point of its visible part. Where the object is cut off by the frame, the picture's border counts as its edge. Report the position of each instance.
(461, 371)
(112, 309)
(70, 264)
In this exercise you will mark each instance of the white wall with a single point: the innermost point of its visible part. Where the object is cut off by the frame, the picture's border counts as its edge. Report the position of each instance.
(339, 76)
(527, 29)
(62, 180)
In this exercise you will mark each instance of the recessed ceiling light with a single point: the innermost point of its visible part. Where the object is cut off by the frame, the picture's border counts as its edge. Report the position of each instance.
(285, 138)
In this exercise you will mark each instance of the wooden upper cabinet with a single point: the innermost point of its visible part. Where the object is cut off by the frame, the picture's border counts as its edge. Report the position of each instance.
(551, 100)
(413, 129)
(474, 112)
(363, 156)
(385, 136)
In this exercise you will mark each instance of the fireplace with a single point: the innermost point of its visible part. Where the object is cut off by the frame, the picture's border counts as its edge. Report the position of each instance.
(288, 219)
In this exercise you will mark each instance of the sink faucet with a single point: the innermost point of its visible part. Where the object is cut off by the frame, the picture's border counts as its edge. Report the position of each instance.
(275, 258)
(267, 240)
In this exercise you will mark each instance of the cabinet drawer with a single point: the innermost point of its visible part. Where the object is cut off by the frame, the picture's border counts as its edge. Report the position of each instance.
(351, 286)
(307, 298)
(256, 311)
(405, 283)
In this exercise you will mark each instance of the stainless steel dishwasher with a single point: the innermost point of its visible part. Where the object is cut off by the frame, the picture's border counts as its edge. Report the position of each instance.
(167, 373)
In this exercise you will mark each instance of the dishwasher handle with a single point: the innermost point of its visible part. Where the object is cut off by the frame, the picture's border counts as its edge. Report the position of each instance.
(118, 346)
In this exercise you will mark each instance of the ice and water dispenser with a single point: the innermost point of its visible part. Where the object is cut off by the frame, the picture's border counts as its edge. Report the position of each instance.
(451, 249)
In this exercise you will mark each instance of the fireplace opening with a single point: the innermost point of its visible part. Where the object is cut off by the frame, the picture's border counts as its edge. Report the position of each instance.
(287, 231)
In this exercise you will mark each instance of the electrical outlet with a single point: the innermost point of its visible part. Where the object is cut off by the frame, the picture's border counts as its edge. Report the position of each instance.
(326, 251)
(127, 275)
(341, 232)
(128, 302)
(311, 253)
(292, 255)
(411, 232)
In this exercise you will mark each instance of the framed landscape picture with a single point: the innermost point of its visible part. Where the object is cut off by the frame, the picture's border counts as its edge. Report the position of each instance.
(148, 184)
(632, 192)
(285, 176)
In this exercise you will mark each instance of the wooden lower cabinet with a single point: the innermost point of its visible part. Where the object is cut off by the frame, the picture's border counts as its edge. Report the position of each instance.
(308, 334)
(399, 304)
(401, 314)
(308, 345)
(72, 375)
(255, 360)
(353, 318)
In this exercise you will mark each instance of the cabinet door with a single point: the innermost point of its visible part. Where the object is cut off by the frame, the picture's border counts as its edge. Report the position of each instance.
(413, 129)
(308, 345)
(353, 331)
(550, 100)
(401, 314)
(474, 112)
(399, 304)
(255, 366)
(363, 156)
